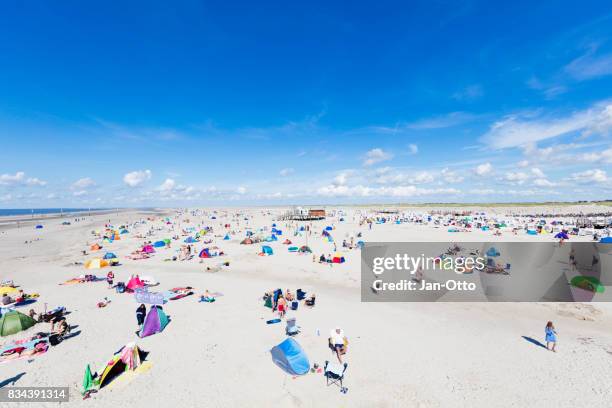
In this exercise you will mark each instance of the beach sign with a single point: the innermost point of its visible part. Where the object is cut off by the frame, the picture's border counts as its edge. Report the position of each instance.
(142, 295)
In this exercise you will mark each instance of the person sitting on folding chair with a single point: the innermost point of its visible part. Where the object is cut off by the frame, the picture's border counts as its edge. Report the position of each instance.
(338, 343)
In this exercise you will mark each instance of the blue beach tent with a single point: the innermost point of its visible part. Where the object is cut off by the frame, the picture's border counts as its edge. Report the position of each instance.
(290, 357)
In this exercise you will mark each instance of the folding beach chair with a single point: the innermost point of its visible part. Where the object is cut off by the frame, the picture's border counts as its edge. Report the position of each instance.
(334, 374)
(291, 328)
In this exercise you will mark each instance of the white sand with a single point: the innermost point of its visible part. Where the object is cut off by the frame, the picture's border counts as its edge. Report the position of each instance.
(217, 355)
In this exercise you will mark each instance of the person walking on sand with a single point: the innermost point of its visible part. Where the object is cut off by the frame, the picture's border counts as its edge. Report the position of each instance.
(141, 312)
(551, 336)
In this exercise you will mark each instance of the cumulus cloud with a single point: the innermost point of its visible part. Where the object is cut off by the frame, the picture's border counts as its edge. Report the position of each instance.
(286, 172)
(604, 157)
(83, 183)
(342, 178)
(518, 177)
(34, 181)
(451, 176)
(538, 173)
(167, 185)
(79, 193)
(20, 178)
(376, 155)
(516, 131)
(483, 169)
(523, 163)
(136, 178)
(241, 190)
(589, 176)
(542, 182)
(7, 179)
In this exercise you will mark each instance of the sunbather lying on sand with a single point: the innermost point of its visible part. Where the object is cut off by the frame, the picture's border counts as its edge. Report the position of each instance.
(207, 297)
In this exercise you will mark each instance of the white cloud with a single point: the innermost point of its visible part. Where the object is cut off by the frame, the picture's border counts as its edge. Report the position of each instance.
(34, 181)
(19, 178)
(392, 191)
(241, 190)
(413, 148)
(483, 169)
(523, 163)
(286, 172)
(83, 183)
(589, 65)
(137, 177)
(167, 185)
(603, 157)
(538, 173)
(451, 176)
(7, 179)
(376, 155)
(516, 177)
(342, 178)
(389, 177)
(79, 193)
(542, 182)
(589, 176)
(550, 90)
(516, 131)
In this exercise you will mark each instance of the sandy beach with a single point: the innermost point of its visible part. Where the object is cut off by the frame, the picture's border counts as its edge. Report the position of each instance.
(218, 354)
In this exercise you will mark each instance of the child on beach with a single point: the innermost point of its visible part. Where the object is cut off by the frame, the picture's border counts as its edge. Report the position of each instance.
(141, 312)
(281, 306)
(109, 279)
(551, 336)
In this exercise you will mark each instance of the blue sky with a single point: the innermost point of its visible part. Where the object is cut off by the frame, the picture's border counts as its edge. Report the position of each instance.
(212, 103)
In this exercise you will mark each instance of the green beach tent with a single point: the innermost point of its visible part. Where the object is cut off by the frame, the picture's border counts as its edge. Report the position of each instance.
(13, 322)
(88, 381)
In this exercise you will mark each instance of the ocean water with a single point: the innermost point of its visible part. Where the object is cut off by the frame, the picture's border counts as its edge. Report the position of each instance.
(39, 211)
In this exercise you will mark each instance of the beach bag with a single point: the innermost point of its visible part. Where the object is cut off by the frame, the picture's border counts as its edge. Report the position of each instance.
(55, 339)
(301, 295)
(268, 302)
